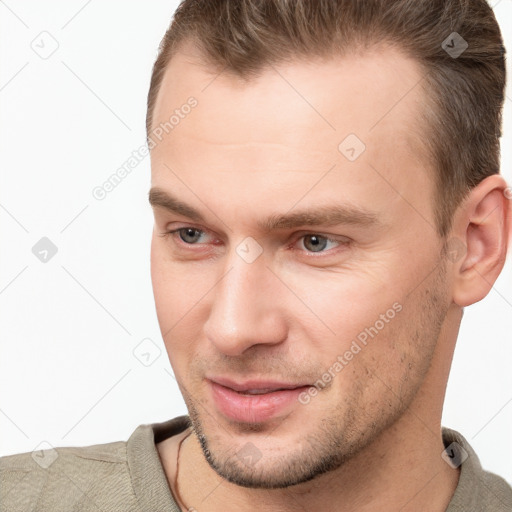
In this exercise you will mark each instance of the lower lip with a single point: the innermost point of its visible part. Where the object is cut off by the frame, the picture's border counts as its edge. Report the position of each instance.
(253, 408)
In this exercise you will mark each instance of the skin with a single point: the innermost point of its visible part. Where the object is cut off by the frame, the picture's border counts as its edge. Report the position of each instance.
(371, 439)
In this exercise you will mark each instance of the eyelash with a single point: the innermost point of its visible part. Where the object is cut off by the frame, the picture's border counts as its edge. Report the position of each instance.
(341, 243)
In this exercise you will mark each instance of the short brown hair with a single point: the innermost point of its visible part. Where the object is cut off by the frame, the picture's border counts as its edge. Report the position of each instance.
(464, 93)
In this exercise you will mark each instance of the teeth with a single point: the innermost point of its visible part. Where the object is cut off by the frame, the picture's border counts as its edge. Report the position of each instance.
(257, 391)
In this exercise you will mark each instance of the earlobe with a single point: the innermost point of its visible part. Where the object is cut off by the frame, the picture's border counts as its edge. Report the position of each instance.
(482, 225)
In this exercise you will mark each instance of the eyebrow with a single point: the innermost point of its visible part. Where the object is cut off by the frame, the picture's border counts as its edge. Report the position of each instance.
(330, 215)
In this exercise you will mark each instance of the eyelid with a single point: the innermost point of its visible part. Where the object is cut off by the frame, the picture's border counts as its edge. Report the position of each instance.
(328, 236)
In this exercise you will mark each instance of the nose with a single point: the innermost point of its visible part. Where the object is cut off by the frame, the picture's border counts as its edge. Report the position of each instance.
(245, 310)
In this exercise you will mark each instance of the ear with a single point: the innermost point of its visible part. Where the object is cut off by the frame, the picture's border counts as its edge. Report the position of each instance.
(480, 235)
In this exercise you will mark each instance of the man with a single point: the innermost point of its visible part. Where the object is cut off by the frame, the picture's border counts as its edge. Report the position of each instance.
(327, 201)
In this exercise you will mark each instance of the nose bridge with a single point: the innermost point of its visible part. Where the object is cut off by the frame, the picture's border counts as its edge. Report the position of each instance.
(244, 310)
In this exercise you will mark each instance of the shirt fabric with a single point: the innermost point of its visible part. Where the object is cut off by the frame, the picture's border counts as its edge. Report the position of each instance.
(127, 476)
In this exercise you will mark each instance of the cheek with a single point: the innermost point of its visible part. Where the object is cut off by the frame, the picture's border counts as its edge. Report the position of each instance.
(181, 296)
(371, 327)
(170, 287)
(345, 302)
(380, 366)
(396, 356)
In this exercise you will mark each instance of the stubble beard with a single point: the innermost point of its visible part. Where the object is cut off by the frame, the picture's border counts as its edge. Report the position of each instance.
(338, 437)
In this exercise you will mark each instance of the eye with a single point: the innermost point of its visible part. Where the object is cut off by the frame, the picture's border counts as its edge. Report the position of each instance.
(318, 243)
(311, 243)
(189, 235)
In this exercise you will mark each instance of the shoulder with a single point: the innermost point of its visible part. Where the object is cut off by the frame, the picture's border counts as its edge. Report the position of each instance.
(477, 489)
(65, 478)
(123, 475)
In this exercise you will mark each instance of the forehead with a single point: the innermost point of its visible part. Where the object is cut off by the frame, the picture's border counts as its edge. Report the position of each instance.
(293, 120)
(360, 91)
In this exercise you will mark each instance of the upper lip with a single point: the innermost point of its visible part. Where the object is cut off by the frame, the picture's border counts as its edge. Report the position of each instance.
(255, 384)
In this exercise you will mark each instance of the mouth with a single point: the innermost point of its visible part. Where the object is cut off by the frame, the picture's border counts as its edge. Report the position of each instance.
(254, 401)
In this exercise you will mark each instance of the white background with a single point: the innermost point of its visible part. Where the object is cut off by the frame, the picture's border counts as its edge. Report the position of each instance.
(68, 375)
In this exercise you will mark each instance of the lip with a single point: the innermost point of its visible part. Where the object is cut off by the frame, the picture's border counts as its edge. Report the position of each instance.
(254, 408)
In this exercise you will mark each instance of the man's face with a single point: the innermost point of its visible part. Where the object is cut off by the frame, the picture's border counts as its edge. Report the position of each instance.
(244, 299)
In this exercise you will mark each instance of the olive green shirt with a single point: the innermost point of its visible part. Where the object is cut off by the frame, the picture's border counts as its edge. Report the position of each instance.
(129, 477)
